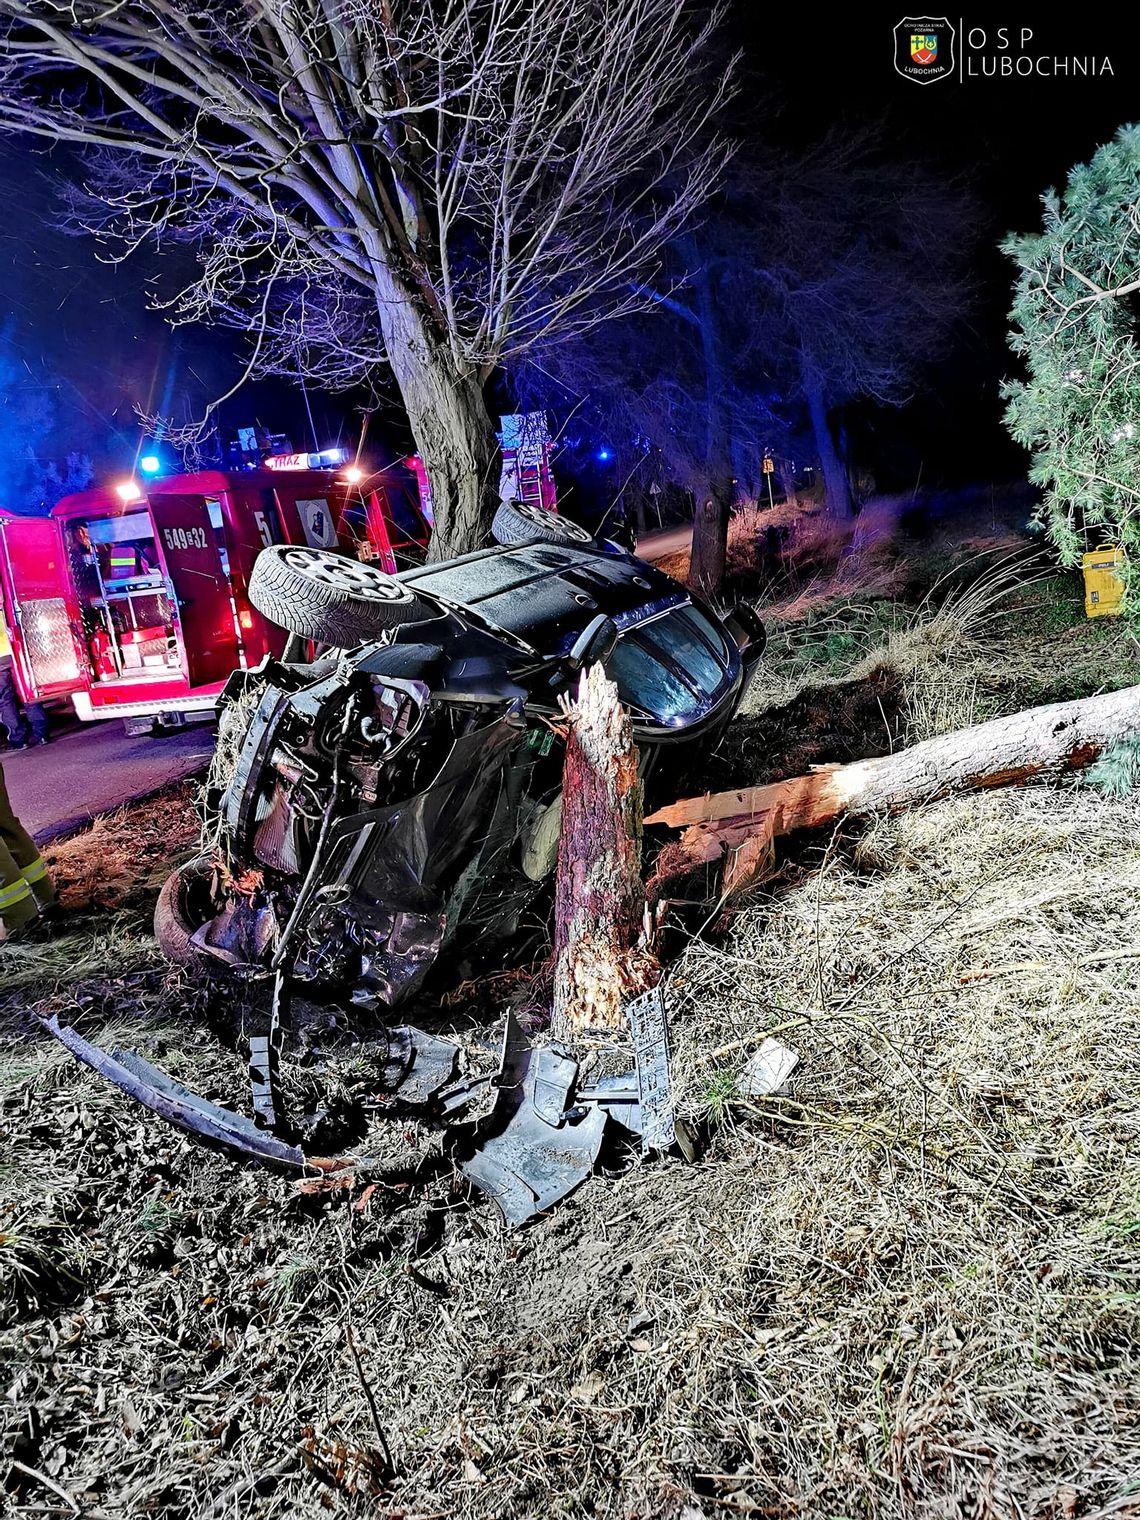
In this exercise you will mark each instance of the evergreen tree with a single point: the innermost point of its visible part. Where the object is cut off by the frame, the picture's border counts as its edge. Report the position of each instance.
(1074, 323)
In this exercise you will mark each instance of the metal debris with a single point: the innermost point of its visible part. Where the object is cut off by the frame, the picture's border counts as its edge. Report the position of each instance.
(535, 1147)
(173, 1102)
(647, 1022)
(767, 1070)
(540, 1138)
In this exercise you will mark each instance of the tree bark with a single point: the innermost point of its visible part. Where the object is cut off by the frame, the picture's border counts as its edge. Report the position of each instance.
(835, 482)
(710, 546)
(451, 425)
(599, 901)
(1041, 742)
(787, 483)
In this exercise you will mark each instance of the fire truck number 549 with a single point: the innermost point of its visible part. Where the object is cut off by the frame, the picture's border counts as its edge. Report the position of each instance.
(184, 538)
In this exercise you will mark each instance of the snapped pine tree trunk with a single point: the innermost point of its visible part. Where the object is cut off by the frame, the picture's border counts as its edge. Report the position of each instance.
(599, 904)
(739, 827)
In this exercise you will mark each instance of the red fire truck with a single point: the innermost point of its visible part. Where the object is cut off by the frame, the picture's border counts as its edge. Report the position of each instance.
(135, 605)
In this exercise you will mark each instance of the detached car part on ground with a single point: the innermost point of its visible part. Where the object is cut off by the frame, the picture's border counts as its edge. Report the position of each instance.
(396, 798)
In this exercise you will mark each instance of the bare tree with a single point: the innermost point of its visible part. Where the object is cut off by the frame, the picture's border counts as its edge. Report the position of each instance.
(680, 393)
(434, 185)
(815, 278)
(862, 278)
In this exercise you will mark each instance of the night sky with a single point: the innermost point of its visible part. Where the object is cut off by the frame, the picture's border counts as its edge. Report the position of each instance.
(1007, 138)
(82, 329)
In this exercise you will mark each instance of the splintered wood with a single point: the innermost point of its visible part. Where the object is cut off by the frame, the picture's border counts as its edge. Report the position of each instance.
(740, 827)
(600, 960)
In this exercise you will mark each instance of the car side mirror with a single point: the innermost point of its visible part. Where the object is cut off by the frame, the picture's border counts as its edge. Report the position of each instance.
(595, 643)
(747, 628)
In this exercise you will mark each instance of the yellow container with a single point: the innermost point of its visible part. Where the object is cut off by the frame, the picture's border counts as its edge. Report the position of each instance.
(1103, 584)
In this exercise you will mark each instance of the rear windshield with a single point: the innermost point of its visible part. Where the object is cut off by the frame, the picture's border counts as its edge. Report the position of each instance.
(671, 667)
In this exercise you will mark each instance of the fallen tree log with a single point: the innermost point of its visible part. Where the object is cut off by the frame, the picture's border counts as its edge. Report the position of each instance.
(739, 827)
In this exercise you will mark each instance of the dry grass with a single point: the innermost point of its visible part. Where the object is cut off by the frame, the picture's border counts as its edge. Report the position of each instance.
(75, 953)
(997, 632)
(861, 677)
(957, 653)
(107, 877)
(748, 535)
(948, 1227)
(233, 723)
(907, 1288)
(896, 549)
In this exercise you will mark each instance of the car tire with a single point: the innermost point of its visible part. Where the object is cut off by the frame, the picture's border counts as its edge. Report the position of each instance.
(181, 910)
(331, 598)
(521, 522)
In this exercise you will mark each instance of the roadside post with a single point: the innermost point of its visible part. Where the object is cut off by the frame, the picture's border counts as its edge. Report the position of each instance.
(769, 470)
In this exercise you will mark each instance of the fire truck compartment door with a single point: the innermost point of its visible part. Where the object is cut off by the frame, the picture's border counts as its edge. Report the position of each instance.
(208, 645)
(33, 576)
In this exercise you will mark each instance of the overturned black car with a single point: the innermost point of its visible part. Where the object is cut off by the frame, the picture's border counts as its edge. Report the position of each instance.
(395, 801)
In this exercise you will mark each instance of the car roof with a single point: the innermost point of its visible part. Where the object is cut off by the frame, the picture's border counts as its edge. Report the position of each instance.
(545, 593)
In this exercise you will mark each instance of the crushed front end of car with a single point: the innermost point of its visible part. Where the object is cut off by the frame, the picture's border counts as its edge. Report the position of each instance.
(385, 802)
(365, 812)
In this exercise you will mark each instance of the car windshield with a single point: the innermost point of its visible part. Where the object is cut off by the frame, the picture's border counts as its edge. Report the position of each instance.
(670, 667)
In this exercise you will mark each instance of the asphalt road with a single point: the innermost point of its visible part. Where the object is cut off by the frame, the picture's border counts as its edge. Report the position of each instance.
(664, 541)
(95, 768)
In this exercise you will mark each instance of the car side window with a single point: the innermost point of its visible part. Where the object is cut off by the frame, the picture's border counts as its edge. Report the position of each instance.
(643, 682)
(687, 639)
(671, 666)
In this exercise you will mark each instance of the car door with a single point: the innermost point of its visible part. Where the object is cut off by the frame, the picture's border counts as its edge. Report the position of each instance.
(200, 591)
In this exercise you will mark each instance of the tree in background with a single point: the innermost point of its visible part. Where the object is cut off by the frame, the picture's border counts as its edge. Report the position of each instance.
(813, 280)
(861, 277)
(680, 391)
(434, 185)
(1074, 324)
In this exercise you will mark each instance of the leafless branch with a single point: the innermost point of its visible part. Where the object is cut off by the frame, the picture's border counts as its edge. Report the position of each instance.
(511, 169)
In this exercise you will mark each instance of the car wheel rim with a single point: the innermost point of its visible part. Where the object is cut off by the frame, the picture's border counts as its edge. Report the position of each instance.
(339, 573)
(548, 520)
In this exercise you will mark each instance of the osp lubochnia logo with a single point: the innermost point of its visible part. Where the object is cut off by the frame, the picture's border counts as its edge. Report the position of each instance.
(924, 48)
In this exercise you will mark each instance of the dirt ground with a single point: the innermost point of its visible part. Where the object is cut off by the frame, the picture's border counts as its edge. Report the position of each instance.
(906, 1287)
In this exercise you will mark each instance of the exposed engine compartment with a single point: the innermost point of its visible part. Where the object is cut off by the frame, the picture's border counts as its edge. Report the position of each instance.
(365, 814)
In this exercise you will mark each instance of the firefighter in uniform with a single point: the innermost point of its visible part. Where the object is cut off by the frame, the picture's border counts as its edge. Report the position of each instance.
(26, 889)
(24, 723)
